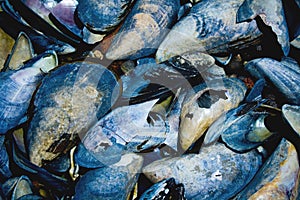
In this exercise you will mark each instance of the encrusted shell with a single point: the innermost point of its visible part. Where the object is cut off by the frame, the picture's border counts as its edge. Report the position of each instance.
(69, 101)
(216, 172)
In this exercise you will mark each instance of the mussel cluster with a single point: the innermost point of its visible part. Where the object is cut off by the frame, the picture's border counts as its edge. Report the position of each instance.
(149, 99)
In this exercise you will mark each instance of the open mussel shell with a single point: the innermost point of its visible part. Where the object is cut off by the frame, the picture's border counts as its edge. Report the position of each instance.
(21, 52)
(245, 132)
(36, 14)
(204, 104)
(278, 178)
(110, 182)
(125, 129)
(68, 102)
(284, 75)
(272, 14)
(165, 189)
(215, 173)
(102, 16)
(63, 16)
(143, 29)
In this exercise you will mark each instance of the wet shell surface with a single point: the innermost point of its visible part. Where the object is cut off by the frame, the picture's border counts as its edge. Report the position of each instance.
(216, 172)
(68, 102)
(144, 29)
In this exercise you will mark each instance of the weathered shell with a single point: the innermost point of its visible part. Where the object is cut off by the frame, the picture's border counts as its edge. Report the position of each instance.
(102, 16)
(205, 104)
(124, 129)
(165, 189)
(215, 173)
(69, 101)
(272, 14)
(292, 114)
(284, 75)
(278, 178)
(144, 28)
(17, 88)
(210, 27)
(110, 183)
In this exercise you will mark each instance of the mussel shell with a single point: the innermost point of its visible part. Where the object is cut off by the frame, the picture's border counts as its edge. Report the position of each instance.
(215, 173)
(114, 182)
(102, 16)
(204, 29)
(284, 75)
(203, 105)
(124, 129)
(278, 177)
(17, 187)
(272, 14)
(245, 132)
(143, 29)
(17, 88)
(67, 103)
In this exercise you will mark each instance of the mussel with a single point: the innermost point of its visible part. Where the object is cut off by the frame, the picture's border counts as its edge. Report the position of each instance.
(144, 29)
(203, 105)
(216, 172)
(17, 88)
(110, 182)
(68, 102)
(209, 27)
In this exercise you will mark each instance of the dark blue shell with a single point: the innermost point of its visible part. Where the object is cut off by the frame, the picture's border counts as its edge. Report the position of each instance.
(102, 16)
(16, 90)
(284, 75)
(110, 183)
